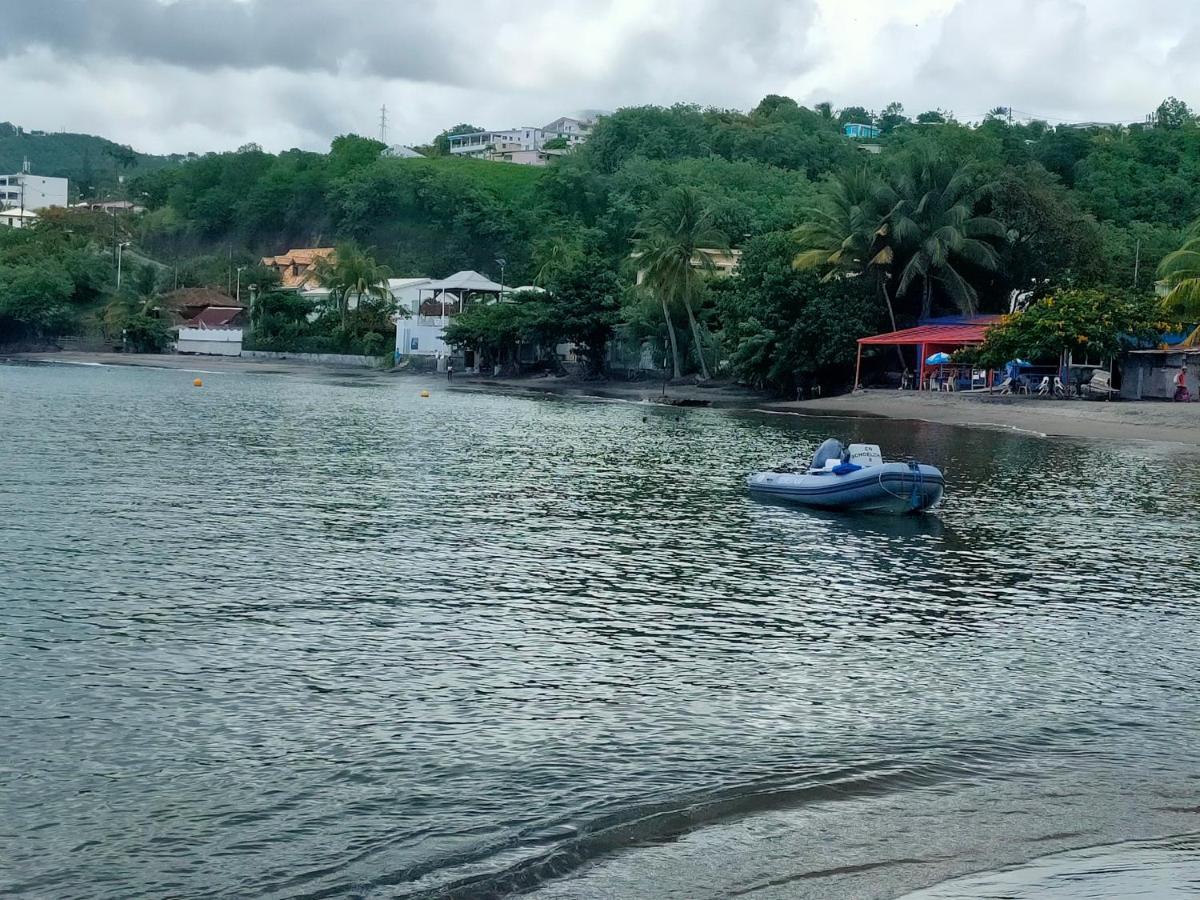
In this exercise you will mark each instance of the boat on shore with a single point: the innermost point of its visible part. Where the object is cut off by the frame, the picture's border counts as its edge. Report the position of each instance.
(855, 479)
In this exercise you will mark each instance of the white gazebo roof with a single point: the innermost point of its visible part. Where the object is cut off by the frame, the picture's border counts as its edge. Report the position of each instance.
(399, 284)
(465, 281)
(15, 213)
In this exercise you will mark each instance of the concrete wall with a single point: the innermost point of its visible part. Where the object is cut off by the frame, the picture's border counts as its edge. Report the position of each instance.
(428, 338)
(33, 191)
(209, 348)
(1151, 376)
(319, 359)
(210, 341)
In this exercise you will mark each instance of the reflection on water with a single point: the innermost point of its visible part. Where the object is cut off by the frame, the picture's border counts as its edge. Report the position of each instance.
(293, 637)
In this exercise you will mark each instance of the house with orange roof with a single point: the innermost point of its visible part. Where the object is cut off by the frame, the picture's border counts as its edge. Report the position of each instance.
(295, 267)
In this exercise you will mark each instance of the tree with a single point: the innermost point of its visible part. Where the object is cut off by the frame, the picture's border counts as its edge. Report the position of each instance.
(583, 305)
(351, 272)
(933, 117)
(556, 143)
(937, 232)
(786, 328)
(134, 315)
(858, 115)
(1097, 323)
(674, 250)
(1180, 271)
(349, 152)
(492, 330)
(892, 117)
(1173, 113)
(1049, 239)
(850, 233)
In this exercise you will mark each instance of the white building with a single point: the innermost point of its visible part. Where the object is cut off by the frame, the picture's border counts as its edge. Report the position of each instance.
(215, 331)
(432, 305)
(403, 151)
(518, 141)
(36, 192)
(17, 218)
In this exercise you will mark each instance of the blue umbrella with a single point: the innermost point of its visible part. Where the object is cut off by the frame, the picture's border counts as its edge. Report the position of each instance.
(1022, 362)
(938, 359)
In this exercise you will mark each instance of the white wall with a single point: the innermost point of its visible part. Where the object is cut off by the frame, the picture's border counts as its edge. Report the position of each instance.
(428, 338)
(40, 191)
(16, 220)
(210, 341)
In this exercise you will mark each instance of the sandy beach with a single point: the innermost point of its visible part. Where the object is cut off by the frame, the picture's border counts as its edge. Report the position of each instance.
(1115, 420)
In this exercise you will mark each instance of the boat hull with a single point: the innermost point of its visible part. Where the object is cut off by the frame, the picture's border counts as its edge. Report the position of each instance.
(895, 488)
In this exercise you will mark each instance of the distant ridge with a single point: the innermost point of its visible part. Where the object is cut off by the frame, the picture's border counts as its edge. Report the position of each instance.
(93, 164)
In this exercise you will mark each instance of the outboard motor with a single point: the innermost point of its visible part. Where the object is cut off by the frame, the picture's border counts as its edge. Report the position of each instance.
(831, 449)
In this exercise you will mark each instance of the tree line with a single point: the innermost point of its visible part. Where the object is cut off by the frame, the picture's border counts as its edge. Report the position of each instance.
(835, 240)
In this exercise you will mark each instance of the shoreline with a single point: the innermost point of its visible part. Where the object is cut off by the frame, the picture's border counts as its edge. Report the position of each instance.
(1122, 421)
(209, 365)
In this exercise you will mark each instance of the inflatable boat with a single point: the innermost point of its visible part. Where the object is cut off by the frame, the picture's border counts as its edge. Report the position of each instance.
(853, 478)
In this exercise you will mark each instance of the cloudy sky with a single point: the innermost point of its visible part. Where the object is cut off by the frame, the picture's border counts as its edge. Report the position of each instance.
(178, 75)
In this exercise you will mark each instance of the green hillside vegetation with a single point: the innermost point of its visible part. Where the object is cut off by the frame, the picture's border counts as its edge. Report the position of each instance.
(93, 164)
(946, 218)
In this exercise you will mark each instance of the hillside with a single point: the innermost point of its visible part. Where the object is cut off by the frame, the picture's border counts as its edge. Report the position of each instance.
(93, 164)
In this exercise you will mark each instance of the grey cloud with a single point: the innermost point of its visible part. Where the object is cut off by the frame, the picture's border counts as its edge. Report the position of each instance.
(720, 53)
(452, 42)
(414, 41)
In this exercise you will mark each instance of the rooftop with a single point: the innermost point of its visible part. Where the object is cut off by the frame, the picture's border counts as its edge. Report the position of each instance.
(937, 332)
(294, 266)
(215, 317)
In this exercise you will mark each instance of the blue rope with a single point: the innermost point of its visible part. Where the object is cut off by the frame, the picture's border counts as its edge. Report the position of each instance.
(918, 484)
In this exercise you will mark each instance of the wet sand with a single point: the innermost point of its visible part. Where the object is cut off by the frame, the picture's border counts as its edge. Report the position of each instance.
(1156, 422)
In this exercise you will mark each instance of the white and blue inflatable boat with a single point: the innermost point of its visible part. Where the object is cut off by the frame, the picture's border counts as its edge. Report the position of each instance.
(853, 478)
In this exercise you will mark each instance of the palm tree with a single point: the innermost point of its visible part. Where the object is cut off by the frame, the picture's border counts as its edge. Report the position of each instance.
(934, 227)
(1180, 271)
(350, 271)
(675, 251)
(850, 233)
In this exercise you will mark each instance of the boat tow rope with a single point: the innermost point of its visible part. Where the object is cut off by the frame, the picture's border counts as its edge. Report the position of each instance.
(915, 497)
(918, 484)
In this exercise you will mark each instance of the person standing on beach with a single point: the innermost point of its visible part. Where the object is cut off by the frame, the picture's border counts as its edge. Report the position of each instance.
(1182, 394)
(449, 372)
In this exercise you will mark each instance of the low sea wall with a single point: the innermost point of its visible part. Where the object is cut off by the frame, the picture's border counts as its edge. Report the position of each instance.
(316, 359)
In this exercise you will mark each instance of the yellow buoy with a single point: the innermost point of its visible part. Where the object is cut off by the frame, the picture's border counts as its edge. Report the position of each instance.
(197, 383)
(424, 393)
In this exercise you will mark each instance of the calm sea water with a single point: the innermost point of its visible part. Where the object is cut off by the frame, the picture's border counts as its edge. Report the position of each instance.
(318, 637)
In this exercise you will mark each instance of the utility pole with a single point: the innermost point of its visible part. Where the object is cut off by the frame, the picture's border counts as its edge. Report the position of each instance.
(120, 247)
(383, 123)
(24, 178)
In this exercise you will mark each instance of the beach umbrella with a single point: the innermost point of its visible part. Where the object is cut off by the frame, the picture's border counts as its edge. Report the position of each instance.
(938, 359)
(1021, 362)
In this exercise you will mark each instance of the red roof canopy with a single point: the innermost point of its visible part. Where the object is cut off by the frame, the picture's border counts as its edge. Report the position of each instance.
(962, 334)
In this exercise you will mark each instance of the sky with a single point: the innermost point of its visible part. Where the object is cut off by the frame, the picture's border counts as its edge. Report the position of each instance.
(197, 75)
